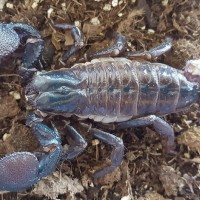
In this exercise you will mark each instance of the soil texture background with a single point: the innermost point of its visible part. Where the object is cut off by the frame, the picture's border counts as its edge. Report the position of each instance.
(146, 173)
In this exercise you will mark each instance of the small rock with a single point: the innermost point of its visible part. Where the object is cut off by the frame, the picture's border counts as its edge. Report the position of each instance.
(115, 3)
(6, 136)
(95, 21)
(165, 2)
(15, 94)
(120, 14)
(35, 4)
(2, 3)
(151, 31)
(107, 7)
(77, 23)
(10, 5)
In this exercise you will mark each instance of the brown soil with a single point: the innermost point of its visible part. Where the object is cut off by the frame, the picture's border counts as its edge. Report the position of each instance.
(146, 172)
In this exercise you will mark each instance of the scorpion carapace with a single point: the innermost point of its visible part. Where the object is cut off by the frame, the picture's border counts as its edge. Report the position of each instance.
(112, 90)
(129, 93)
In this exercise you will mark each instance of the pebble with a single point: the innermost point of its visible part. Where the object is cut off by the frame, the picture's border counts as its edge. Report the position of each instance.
(10, 5)
(107, 7)
(95, 21)
(115, 3)
(15, 94)
(6, 136)
(2, 3)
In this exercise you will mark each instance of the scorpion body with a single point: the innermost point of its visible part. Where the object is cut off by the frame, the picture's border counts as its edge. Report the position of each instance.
(113, 90)
(130, 93)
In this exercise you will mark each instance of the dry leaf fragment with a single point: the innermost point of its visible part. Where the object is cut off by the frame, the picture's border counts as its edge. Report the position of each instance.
(191, 138)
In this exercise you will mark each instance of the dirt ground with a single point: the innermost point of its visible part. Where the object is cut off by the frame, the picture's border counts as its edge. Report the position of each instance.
(146, 173)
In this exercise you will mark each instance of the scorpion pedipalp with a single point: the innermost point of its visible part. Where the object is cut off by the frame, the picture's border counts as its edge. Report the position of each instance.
(23, 169)
(17, 36)
(18, 171)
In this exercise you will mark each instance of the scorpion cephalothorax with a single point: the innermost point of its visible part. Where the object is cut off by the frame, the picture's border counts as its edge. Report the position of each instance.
(118, 90)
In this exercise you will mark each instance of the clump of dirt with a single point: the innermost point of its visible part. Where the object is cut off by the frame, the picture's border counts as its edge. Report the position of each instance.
(146, 172)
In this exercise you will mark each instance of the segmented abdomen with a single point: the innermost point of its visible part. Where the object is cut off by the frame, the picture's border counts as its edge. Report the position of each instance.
(119, 89)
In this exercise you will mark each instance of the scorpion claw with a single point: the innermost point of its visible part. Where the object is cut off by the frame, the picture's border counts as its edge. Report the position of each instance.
(18, 171)
(14, 36)
(23, 169)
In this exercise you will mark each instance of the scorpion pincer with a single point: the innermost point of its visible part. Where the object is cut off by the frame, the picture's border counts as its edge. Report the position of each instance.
(108, 89)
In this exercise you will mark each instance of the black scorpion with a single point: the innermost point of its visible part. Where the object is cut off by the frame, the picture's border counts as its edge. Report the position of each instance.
(128, 92)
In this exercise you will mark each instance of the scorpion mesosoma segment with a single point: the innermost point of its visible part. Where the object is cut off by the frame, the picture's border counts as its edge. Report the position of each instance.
(108, 90)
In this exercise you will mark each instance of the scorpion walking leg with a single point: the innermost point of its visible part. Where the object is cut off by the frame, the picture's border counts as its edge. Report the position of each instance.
(117, 152)
(77, 143)
(117, 48)
(77, 36)
(151, 53)
(162, 127)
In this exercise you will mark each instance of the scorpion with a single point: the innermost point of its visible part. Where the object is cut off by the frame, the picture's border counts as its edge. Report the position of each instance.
(114, 86)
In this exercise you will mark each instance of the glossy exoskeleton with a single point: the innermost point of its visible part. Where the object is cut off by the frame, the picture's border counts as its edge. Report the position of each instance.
(127, 92)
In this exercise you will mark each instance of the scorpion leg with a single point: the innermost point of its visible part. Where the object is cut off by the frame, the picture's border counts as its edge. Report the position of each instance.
(117, 48)
(77, 143)
(160, 126)
(77, 36)
(151, 53)
(21, 170)
(117, 152)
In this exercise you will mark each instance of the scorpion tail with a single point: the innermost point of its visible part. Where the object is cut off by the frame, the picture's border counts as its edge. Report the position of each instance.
(192, 73)
(192, 70)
